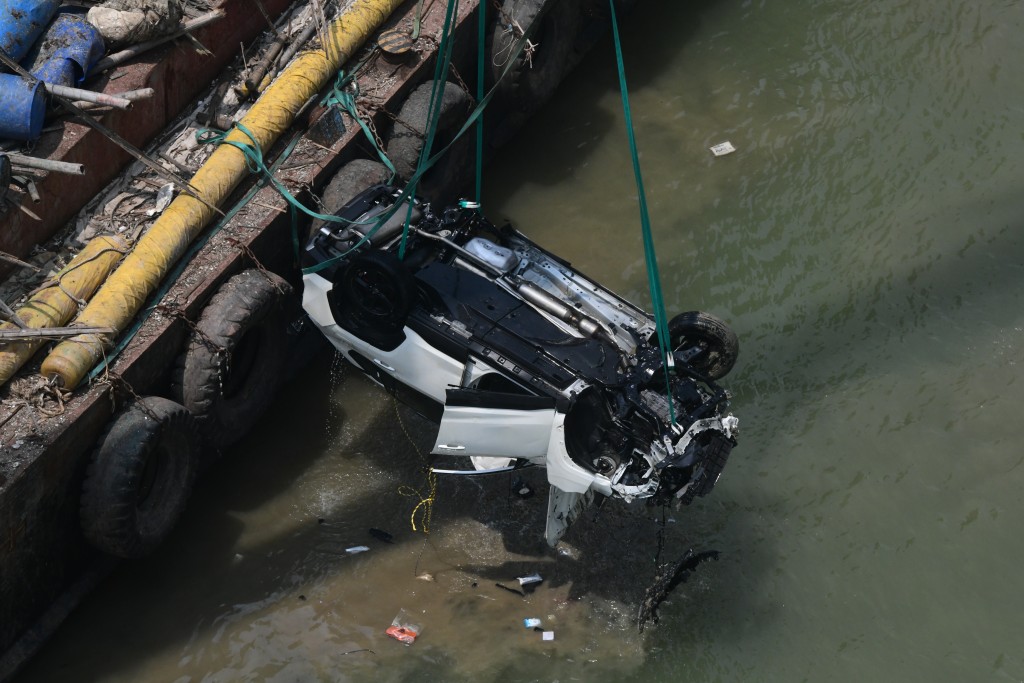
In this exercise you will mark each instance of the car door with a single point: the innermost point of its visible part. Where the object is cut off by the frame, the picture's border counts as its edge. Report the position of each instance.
(495, 424)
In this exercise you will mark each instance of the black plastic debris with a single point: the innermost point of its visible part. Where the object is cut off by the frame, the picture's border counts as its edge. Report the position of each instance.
(511, 590)
(669, 576)
(381, 535)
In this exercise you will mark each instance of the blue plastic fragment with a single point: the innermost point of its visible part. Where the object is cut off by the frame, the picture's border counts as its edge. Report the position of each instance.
(21, 22)
(66, 51)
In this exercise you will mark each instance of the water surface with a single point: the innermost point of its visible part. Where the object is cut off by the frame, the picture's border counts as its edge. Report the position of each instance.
(864, 241)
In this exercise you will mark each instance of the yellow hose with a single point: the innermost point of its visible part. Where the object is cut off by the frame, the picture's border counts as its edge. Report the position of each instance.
(123, 294)
(56, 305)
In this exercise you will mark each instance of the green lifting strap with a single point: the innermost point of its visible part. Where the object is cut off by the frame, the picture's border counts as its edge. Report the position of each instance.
(408, 192)
(653, 279)
(441, 68)
(481, 36)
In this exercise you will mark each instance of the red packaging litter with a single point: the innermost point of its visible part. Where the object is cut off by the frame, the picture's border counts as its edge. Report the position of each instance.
(402, 629)
(402, 634)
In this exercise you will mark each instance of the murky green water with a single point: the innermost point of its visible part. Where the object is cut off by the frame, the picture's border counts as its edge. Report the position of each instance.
(865, 242)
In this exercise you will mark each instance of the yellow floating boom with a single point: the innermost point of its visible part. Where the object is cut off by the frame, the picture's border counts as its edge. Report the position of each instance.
(123, 294)
(57, 304)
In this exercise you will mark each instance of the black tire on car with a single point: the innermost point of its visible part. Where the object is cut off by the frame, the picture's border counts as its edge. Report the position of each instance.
(452, 174)
(351, 179)
(552, 26)
(140, 477)
(377, 291)
(715, 340)
(235, 357)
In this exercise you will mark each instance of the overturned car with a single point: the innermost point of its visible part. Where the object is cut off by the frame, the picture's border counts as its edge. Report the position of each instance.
(520, 358)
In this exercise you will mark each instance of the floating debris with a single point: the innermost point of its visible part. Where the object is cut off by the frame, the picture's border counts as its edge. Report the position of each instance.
(403, 630)
(511, 590)
(665, 582)
(527, 580)
(722, 148)
(532, 622)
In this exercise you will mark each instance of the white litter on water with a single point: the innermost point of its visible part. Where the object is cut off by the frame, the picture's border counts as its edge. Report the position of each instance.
(722, 148)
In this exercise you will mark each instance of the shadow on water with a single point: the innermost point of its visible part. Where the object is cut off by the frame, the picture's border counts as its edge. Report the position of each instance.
(569, 134)
(269, 523)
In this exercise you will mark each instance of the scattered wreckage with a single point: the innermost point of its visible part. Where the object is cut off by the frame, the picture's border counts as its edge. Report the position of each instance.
(521, 358)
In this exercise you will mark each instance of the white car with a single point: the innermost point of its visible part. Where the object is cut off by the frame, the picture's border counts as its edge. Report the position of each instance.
(519, 357)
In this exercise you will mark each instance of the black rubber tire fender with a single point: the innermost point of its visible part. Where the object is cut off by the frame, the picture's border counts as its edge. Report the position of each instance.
(235, 357)
(376, 291)
(719, 344)
(140, 477)
(716, 447)
(351, 179)
(451, 174)
(552, 25)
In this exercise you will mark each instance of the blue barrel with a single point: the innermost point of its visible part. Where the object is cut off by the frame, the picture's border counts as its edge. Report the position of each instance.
(22, 22)
(66, 52)
(22, 107)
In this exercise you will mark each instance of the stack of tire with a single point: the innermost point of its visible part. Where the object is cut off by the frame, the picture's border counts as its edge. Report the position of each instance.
(522, 85)
(142, 471)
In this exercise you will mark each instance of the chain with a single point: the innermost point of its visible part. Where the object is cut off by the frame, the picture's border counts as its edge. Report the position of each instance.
(244, 248)
(377, 107)
(177, 313)
(462, 84)
(118, 383)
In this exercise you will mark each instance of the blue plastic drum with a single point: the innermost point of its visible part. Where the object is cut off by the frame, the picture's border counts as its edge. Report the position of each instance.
(22, 108)
(66, 52)
(22, 22)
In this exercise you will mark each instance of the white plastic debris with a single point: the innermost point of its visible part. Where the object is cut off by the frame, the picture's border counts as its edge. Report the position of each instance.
(547, 635)
(722, 148)
(527, 580)
(163, 199)
(532, 622)
(356, 549)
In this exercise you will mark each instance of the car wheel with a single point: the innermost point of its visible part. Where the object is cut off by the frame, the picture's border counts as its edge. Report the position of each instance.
(714, 343)
(377, 291)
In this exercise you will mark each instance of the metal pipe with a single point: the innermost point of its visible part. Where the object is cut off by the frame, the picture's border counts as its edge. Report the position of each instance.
(88, 96)
(121, 296)
(46, 164)
(110, 61)
(130, 95)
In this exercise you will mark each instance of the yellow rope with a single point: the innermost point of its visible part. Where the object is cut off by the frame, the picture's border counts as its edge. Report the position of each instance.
(425, 506)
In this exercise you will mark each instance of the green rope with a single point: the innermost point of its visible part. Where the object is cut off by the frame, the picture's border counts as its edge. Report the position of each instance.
(422, 168)
(654, 280)
(172, 277)
(417, 20)
(441, 68)
(481, 36)
(345, 98)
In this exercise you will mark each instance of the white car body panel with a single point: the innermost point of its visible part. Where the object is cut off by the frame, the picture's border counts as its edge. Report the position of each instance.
(494, 432)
